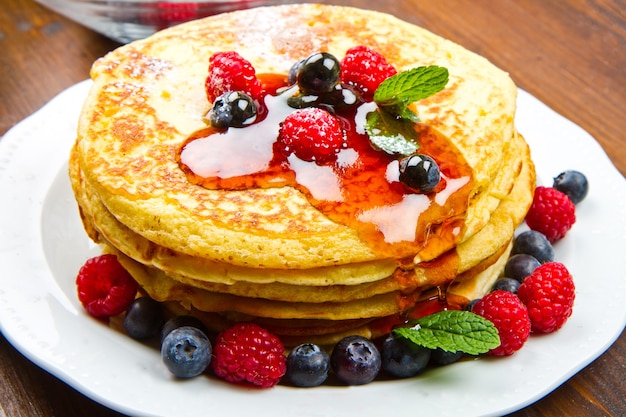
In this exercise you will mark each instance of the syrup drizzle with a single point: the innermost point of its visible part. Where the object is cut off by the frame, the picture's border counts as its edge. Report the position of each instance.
(360, 189)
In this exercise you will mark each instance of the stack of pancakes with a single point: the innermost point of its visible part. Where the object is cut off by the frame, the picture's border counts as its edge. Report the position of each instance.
(267, 254)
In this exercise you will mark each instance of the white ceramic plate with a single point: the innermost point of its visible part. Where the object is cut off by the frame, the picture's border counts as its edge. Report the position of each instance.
(42, 246)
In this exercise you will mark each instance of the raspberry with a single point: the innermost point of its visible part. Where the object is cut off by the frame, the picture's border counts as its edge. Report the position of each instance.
(365, 69)
(551, 213)
(312, 134)
(247, 352)
(229, 71)
(549, 296)
(104, 287)
(510, 316)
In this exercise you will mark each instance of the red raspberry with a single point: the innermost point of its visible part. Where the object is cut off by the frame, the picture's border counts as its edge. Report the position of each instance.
(365, 69)
(549, 296)
(104, 287)
(229, 71)
(510, 316)
(551, 213)
(247, 352)
(312, 134)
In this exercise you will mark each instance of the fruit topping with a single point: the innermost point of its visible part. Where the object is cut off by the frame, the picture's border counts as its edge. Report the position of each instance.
(307, 365)
(365, 69)
(229, 71)
(248, 352)
(104, 287)
(510, 316)
(318, 74)
(232, 109)
(551, 213)
(312, 134)
(506, 284)
(535, 244)
(419, 172)
(182, 321)
(339, 98)
(442, 357)
(549, 294)
(144, 318)
(355, 360)
(572, 183)
(186, 351)
(520, 266)
(403, 359)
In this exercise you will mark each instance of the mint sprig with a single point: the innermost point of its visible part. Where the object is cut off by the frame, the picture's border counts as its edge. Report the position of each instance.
(452, 331)
(410, 86)
(391, 126)
(391, 134)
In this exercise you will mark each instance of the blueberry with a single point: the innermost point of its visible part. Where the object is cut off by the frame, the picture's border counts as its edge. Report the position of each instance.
(355, 360)
(186, 351)
(181, 321)
(419, 172)
(442, 357)
(232, 109)
(507, 284)
(535, 244)
(144, 318)
(471, 304)
(292, 76)
(340, 97)
(403, 359)
(307, 365)
(319, 73)
(573, 184)
(520, 266)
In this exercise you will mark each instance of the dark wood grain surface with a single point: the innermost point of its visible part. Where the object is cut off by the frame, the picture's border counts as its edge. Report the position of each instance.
(571, 54)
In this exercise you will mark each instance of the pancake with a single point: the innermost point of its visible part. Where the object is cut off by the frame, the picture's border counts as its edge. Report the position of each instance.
(283, 254)
(147, 98)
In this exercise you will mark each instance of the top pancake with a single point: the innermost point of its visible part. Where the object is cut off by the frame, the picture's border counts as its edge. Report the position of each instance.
(148, 97)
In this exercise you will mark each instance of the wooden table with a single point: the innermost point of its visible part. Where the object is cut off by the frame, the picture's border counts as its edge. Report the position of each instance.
(569, 54)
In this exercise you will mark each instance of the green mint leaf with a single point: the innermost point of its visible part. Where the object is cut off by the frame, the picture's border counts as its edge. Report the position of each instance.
(410, 86)
(392, 134)
(453, 331)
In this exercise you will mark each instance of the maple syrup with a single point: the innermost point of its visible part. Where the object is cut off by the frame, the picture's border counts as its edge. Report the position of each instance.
(361, 189)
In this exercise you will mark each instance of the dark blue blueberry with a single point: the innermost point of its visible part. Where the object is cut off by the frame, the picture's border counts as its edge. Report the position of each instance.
(186, 352)
(471, 304)
(355, 360)
(507, 284)
(340, 97)
(419, 172)
(292, 76)
(307, 365)
(572, 183)
(535, 244)
(181, 321)
(520, 266)
(442, 357)
(144, 318)
(232, 109)
(403, 359)
(319, 73)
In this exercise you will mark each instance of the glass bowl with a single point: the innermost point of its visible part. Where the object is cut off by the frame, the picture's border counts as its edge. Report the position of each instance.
(128, 20)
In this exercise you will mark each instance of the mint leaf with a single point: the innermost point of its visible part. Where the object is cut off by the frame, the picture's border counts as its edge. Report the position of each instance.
(453, 330)
(410, 86)
(391, 134)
